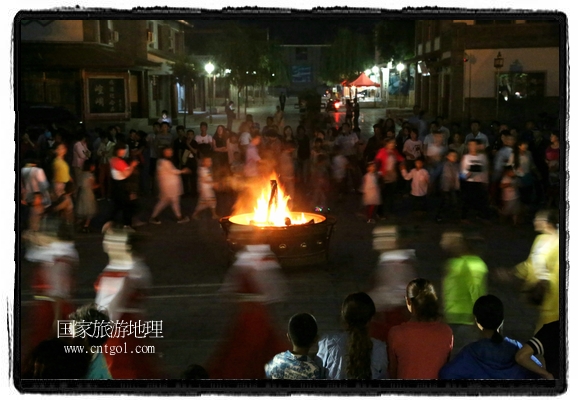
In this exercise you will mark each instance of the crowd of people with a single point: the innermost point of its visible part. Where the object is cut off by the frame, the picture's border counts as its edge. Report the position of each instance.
(434, 170)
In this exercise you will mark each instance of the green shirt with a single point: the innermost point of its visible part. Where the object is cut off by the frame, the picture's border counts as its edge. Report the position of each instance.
(464, 283)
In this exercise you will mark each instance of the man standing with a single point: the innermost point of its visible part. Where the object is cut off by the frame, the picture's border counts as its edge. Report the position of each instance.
(282, 99)
(152, 153)
(204, 141)
(477, 135)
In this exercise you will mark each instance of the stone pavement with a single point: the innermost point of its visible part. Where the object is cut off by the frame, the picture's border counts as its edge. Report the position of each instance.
(189, 261)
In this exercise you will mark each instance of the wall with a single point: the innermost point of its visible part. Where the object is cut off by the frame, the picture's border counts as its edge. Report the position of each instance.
(55, 31)
(483, 73)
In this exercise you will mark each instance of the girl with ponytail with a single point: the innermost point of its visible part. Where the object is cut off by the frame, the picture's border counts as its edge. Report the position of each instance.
(420, 347)
(493, 356)
(353, 354)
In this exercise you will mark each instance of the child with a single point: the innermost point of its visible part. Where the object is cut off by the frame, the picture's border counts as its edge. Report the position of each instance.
(419, 184)
(449, 184)
(63, 206)
(86, 202)
(296, 364)
(339, 166)
(371, 192)
(170, 187)
(510, 196)
(207, 197)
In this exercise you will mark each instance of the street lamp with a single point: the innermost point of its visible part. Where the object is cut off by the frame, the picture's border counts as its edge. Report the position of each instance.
(210, 68)
(498, 64)
(400, 67)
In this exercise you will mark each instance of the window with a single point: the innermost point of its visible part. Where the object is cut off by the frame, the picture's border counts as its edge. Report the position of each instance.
(522, 85)
(301, 54)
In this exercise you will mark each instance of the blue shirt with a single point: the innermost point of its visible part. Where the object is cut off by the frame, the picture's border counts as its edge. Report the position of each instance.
(98, 368)
(291, 366)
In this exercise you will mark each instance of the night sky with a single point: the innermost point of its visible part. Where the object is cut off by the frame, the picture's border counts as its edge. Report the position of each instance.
(297, 29)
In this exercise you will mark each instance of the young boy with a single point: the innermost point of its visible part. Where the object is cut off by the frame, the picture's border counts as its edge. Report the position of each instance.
(207, 197)
(419, 184)
(296, 364)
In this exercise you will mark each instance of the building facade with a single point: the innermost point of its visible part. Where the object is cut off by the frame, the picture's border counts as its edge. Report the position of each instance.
(487, 69)
(104, 71)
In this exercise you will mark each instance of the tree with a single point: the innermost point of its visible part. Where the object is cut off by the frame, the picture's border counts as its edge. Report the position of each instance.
(184, 71)
(350, 54)
(394, 40)
(250, 57)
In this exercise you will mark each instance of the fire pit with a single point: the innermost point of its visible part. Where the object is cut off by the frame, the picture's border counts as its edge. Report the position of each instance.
(296, 238)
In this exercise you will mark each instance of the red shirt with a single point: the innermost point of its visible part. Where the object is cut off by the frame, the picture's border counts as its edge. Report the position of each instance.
(117, 165)
(420, 349)
(382, 156)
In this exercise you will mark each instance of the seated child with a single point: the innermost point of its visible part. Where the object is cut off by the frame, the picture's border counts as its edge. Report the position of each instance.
(297, 364)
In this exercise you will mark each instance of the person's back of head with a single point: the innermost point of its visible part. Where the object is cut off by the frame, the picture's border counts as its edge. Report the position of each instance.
(489, 314)
(423, 300)
(357, 310)
(195, 371)
(94, 323)
(302, 330)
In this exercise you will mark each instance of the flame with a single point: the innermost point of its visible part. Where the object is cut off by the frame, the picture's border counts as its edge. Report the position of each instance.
(279, 211)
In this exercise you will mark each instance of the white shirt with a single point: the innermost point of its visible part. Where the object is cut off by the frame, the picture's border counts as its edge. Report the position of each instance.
(419, 181)
(245, 139)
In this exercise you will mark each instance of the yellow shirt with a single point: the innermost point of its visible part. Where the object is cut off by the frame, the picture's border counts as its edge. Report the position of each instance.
(61, 171)
(544, 264)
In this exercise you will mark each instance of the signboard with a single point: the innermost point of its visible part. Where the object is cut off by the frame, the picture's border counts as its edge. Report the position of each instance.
(301, 74)
(106, 96)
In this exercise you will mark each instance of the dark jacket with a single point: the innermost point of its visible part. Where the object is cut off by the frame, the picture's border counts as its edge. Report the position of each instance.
(487, 360)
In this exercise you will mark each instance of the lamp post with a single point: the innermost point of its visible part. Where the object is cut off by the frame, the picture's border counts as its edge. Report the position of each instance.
(375, 71)
(498, 64)
(210, 68)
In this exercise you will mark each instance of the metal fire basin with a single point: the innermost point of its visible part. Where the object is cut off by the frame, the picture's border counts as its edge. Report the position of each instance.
(294, 245)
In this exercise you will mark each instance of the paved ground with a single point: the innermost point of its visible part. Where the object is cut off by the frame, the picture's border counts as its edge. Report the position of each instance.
(188, 263)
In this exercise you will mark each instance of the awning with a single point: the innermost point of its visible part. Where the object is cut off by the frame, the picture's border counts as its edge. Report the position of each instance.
(363, 81)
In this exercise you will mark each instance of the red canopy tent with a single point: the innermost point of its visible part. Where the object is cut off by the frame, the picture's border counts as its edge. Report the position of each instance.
(363, 81)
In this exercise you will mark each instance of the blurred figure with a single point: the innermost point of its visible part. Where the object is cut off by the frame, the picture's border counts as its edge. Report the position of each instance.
(464, 281)
(371, 192)
(396, 267)
(296, 363)
(417, 349)
(353, 354)
(120, 290)
(252, 339)
(34, 191)
(206, 189)
(86, 206)
(54, 258)
(170, 187)
(493, 356)
(540, 272)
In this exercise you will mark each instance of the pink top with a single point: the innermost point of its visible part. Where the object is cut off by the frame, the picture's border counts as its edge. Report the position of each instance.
(419, 349)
